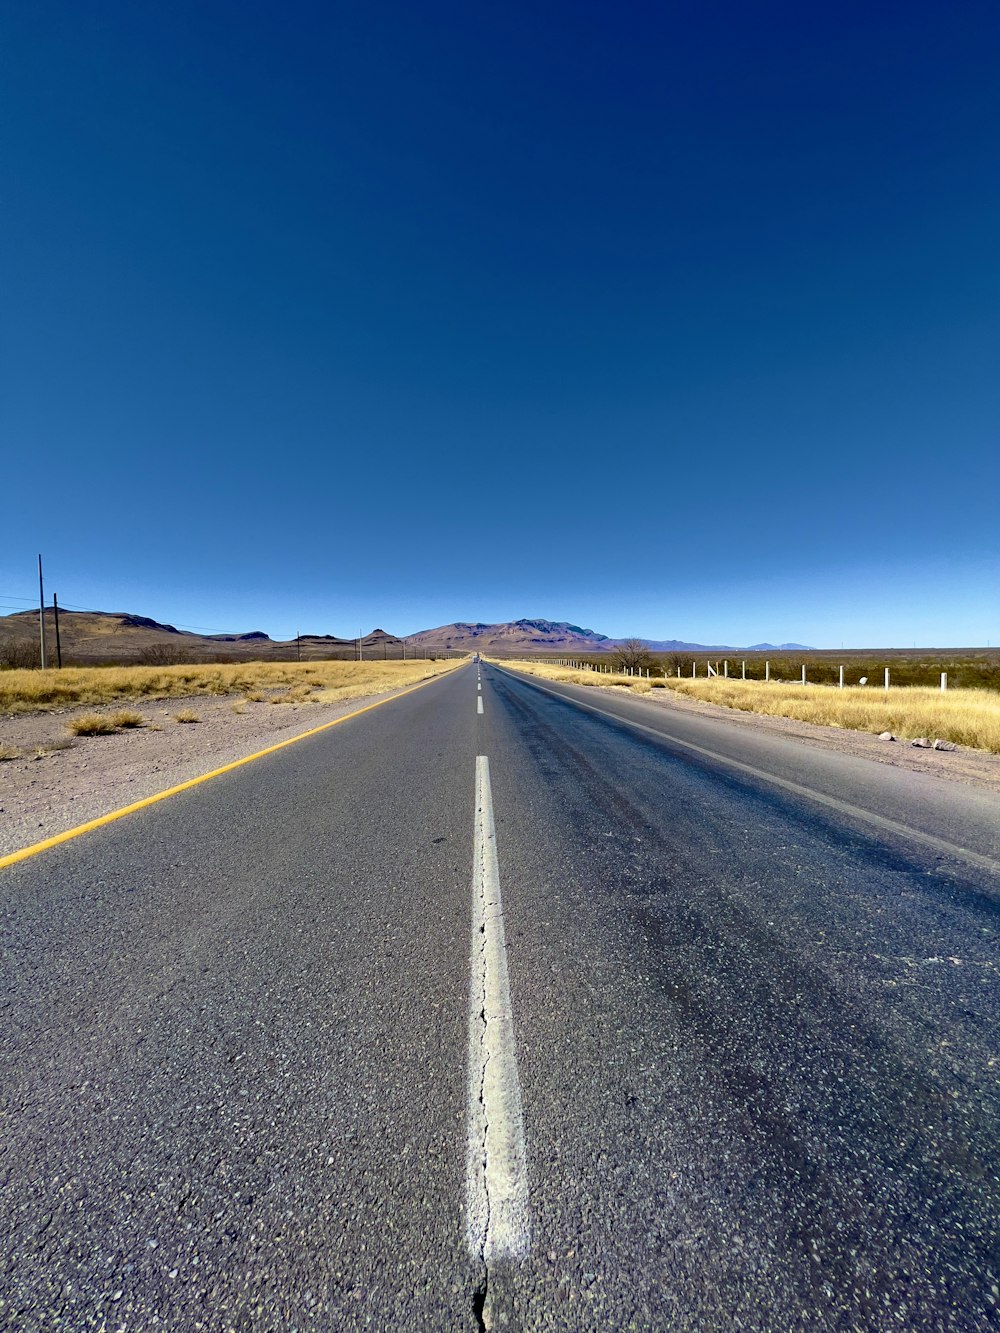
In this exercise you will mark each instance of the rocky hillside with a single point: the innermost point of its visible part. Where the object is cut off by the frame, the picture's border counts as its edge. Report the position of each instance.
(513, 636)
(89, 638)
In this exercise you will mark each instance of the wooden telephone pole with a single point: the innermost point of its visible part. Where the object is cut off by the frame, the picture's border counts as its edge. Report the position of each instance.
(41, 611)
(55, 614)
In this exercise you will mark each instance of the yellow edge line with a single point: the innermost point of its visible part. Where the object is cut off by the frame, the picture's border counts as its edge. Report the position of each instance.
(13, 857)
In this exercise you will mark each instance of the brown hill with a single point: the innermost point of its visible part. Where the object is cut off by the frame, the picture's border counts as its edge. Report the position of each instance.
(90, 638)
(513, 636)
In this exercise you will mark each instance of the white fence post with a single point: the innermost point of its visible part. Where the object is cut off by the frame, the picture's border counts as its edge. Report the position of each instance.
(767, 670)
(803, 673)
(725, 670)
(744, 669)
(694, 670)
(944, 680)
(841, 677)
(887, 678)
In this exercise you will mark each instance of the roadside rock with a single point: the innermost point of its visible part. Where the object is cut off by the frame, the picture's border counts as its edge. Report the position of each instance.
(944, 745)
(921, 743)
(886, 736)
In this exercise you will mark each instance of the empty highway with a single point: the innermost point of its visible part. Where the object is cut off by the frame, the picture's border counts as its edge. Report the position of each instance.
(509, 1005)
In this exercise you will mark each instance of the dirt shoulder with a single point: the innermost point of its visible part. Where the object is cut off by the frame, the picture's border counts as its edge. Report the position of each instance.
(51, 789)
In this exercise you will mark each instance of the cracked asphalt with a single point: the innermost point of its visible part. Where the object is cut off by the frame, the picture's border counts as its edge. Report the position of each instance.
(756, 1038)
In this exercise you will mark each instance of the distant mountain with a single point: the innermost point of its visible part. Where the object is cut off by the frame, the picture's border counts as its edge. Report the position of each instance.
(780, 648)
(556, 636)
(680, 646)
(109, 636)
(239, 638)
(91, 637)
(511, 636)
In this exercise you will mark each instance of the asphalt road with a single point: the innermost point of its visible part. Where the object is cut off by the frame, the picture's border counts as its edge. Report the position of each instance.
(746, 1077)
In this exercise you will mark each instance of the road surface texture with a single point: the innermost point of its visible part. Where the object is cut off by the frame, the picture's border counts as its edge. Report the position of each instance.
(487, 1009)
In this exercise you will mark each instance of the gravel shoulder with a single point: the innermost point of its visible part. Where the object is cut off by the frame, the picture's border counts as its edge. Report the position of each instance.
(61, 781)
(973, 767)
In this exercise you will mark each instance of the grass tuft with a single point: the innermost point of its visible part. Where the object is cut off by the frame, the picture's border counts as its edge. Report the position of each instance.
(92, 724)
(186, 715)
(8, 752)
(128, 718)
(297, 694)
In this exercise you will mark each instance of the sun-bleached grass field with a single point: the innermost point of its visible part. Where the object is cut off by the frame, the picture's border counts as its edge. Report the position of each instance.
(295, 682)
(966, 717)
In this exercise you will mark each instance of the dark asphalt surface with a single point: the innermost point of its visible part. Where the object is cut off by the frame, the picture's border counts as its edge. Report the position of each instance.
(756, 1037)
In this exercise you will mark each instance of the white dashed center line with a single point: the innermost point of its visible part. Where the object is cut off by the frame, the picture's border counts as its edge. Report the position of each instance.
(479, 703)
(498, 1223)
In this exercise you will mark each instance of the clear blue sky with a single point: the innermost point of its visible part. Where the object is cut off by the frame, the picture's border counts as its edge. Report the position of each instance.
(667, 319)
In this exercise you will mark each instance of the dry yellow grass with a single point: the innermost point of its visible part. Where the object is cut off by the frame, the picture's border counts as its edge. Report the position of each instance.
(966, 717)
(39, 691)
(187, 715)
(9, 752)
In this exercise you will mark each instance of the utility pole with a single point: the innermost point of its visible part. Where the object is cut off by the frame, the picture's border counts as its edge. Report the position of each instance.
(55, 612)
(298, 646)
(360, 655)
(403, 642)
(41, 611)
